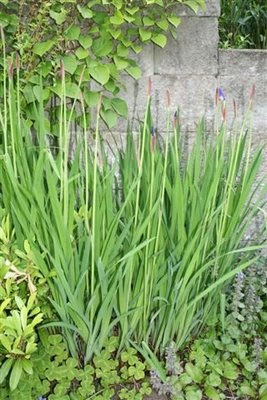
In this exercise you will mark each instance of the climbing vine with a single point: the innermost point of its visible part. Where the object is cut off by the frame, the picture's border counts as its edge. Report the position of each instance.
(95, 40)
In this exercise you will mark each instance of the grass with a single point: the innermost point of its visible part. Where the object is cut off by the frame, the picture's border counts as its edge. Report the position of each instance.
(141, 247)
(243, 24)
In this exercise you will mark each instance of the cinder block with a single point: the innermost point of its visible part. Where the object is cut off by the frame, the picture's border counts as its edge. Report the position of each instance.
(145, 59)
(243, 62)
(193, 95)
(195, 51)
(239, 88)
(212, 9)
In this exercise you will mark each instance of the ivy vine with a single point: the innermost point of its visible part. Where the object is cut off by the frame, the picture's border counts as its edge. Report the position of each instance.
(96, 41)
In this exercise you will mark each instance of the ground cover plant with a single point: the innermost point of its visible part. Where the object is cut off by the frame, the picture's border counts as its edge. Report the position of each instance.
(243, 24)
(229, 359)
(139, 248)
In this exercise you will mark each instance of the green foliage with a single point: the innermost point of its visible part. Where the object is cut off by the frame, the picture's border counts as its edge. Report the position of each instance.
(141, 247)
(248, 307)
(243, 24)
(224, 360)
(96, 41)
(18, 338)
(56, 376)
(20, 301)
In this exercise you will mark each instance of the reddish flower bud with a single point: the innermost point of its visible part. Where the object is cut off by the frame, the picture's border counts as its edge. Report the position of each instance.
(99, 103)
(224, 113)
(168, 98)
(62, 70)
(100, 161)
(235, 108)
(17, 61)
(11, 69)
(176, 120)
(216, 96)
(153, 141)
(149, 87)
(253, 91)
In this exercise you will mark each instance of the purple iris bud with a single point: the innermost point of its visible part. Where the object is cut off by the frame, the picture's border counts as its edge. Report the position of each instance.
(152, 131)
(221, 95)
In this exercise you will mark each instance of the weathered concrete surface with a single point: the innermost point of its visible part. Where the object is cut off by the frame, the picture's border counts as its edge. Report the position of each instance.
(193, 52)
(239, 70)
(243, 62)
(191, 67)
(184, 92)
(212, 9)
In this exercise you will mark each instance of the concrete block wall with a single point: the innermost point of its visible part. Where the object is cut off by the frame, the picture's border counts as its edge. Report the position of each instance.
(191, 67)
(187, 67)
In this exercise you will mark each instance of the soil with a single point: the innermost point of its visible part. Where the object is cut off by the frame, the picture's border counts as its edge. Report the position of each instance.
(155, 396)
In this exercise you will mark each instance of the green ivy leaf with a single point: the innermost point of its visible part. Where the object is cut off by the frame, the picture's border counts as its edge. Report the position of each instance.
(148, 21)
(115, 33)
(100, 73)
(40, 92)
(122, 51)
(109, 117)
(120, 63)
(106, 103)
(135, 72)
(136, 48)
(72, 33)
(102, 46)
(163, 24)
(159, 39)
(81, 53)
(117, 18)
(192, 4)
(144, 35)
(91, 98)
(72, 90)
(120, 106)
(175, 21)
(45, 68)
(28, 93)
(70, 63)
(111, 86)
(41, 48)
(85, 41)
(132, 10)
